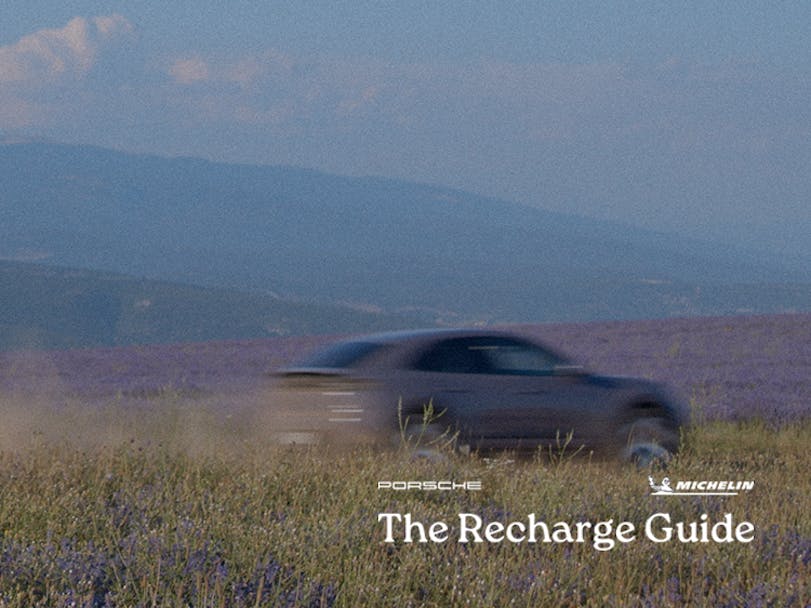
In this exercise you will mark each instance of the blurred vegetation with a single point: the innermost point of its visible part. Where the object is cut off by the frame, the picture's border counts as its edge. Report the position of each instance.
(172, 506)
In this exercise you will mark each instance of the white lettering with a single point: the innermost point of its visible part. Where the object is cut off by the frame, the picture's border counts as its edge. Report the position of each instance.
(649, 528)
(744, 528)
(581, 526)
(389, 518)
(493, 532)
(562, 533)
(429, 485)
(438, 532)
(413, 526)
(534, 526)
(623, 530)
(512, 537)
(602, 535)
(464, 528)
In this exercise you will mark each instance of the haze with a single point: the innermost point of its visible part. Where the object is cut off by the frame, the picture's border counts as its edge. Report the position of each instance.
(689, 118)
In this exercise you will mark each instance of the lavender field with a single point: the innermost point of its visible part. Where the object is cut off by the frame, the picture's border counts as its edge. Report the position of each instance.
(138, 477)
(729, 368)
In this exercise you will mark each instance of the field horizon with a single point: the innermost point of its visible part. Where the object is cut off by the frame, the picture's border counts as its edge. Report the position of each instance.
(728, 367)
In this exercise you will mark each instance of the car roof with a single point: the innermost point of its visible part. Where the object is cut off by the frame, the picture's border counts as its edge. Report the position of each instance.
(408, 335)
(402, 340)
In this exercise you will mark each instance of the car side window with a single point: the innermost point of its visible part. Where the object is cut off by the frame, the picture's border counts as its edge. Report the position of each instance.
(488, 355)
(453, 357)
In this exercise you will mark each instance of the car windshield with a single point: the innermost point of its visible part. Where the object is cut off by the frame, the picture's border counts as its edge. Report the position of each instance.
(343, 354)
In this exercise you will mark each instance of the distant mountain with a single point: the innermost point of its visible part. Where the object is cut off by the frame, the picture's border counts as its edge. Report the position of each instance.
(47, 307)
(372, 242)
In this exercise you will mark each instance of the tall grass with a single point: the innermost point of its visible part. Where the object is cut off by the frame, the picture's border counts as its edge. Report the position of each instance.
(174, 507)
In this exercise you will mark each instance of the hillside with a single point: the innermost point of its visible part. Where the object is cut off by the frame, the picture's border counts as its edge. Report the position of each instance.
(45, 307)
(373, 242)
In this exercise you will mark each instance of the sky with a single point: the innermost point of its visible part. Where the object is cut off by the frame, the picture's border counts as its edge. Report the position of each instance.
(689, 117)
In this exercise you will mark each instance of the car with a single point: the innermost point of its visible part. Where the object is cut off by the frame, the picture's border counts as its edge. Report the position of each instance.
(479, 390)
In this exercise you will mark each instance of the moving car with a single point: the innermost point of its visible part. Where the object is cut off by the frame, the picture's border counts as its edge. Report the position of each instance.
(487, 390)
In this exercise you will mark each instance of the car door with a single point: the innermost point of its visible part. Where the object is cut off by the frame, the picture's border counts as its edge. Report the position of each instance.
(502, 392)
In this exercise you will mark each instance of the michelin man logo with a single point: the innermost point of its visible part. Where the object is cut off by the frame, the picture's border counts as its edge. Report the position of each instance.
(659, 489)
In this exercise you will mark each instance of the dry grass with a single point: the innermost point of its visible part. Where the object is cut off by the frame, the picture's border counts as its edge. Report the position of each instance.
(177, 504)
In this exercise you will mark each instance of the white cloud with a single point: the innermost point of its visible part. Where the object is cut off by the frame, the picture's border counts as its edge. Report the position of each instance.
(189, 70)
(246, 72)
(112, 25)
(51, 54)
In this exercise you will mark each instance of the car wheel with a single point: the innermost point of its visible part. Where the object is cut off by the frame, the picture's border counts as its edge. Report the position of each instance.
(422, 440)
(426, 434)
(647, 442)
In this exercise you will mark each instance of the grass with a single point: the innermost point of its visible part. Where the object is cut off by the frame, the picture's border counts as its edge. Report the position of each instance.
(171, 506)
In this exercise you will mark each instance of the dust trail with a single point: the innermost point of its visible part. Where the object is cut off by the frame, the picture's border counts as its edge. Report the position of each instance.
(213, 425)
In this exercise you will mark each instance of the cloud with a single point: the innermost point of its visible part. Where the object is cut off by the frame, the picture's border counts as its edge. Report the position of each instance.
(50, 55)
(111, 25)
(246, 72)
(189, 70)
(281, 91)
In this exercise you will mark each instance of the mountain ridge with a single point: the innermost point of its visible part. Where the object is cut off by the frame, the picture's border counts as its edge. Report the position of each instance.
(380, 243)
